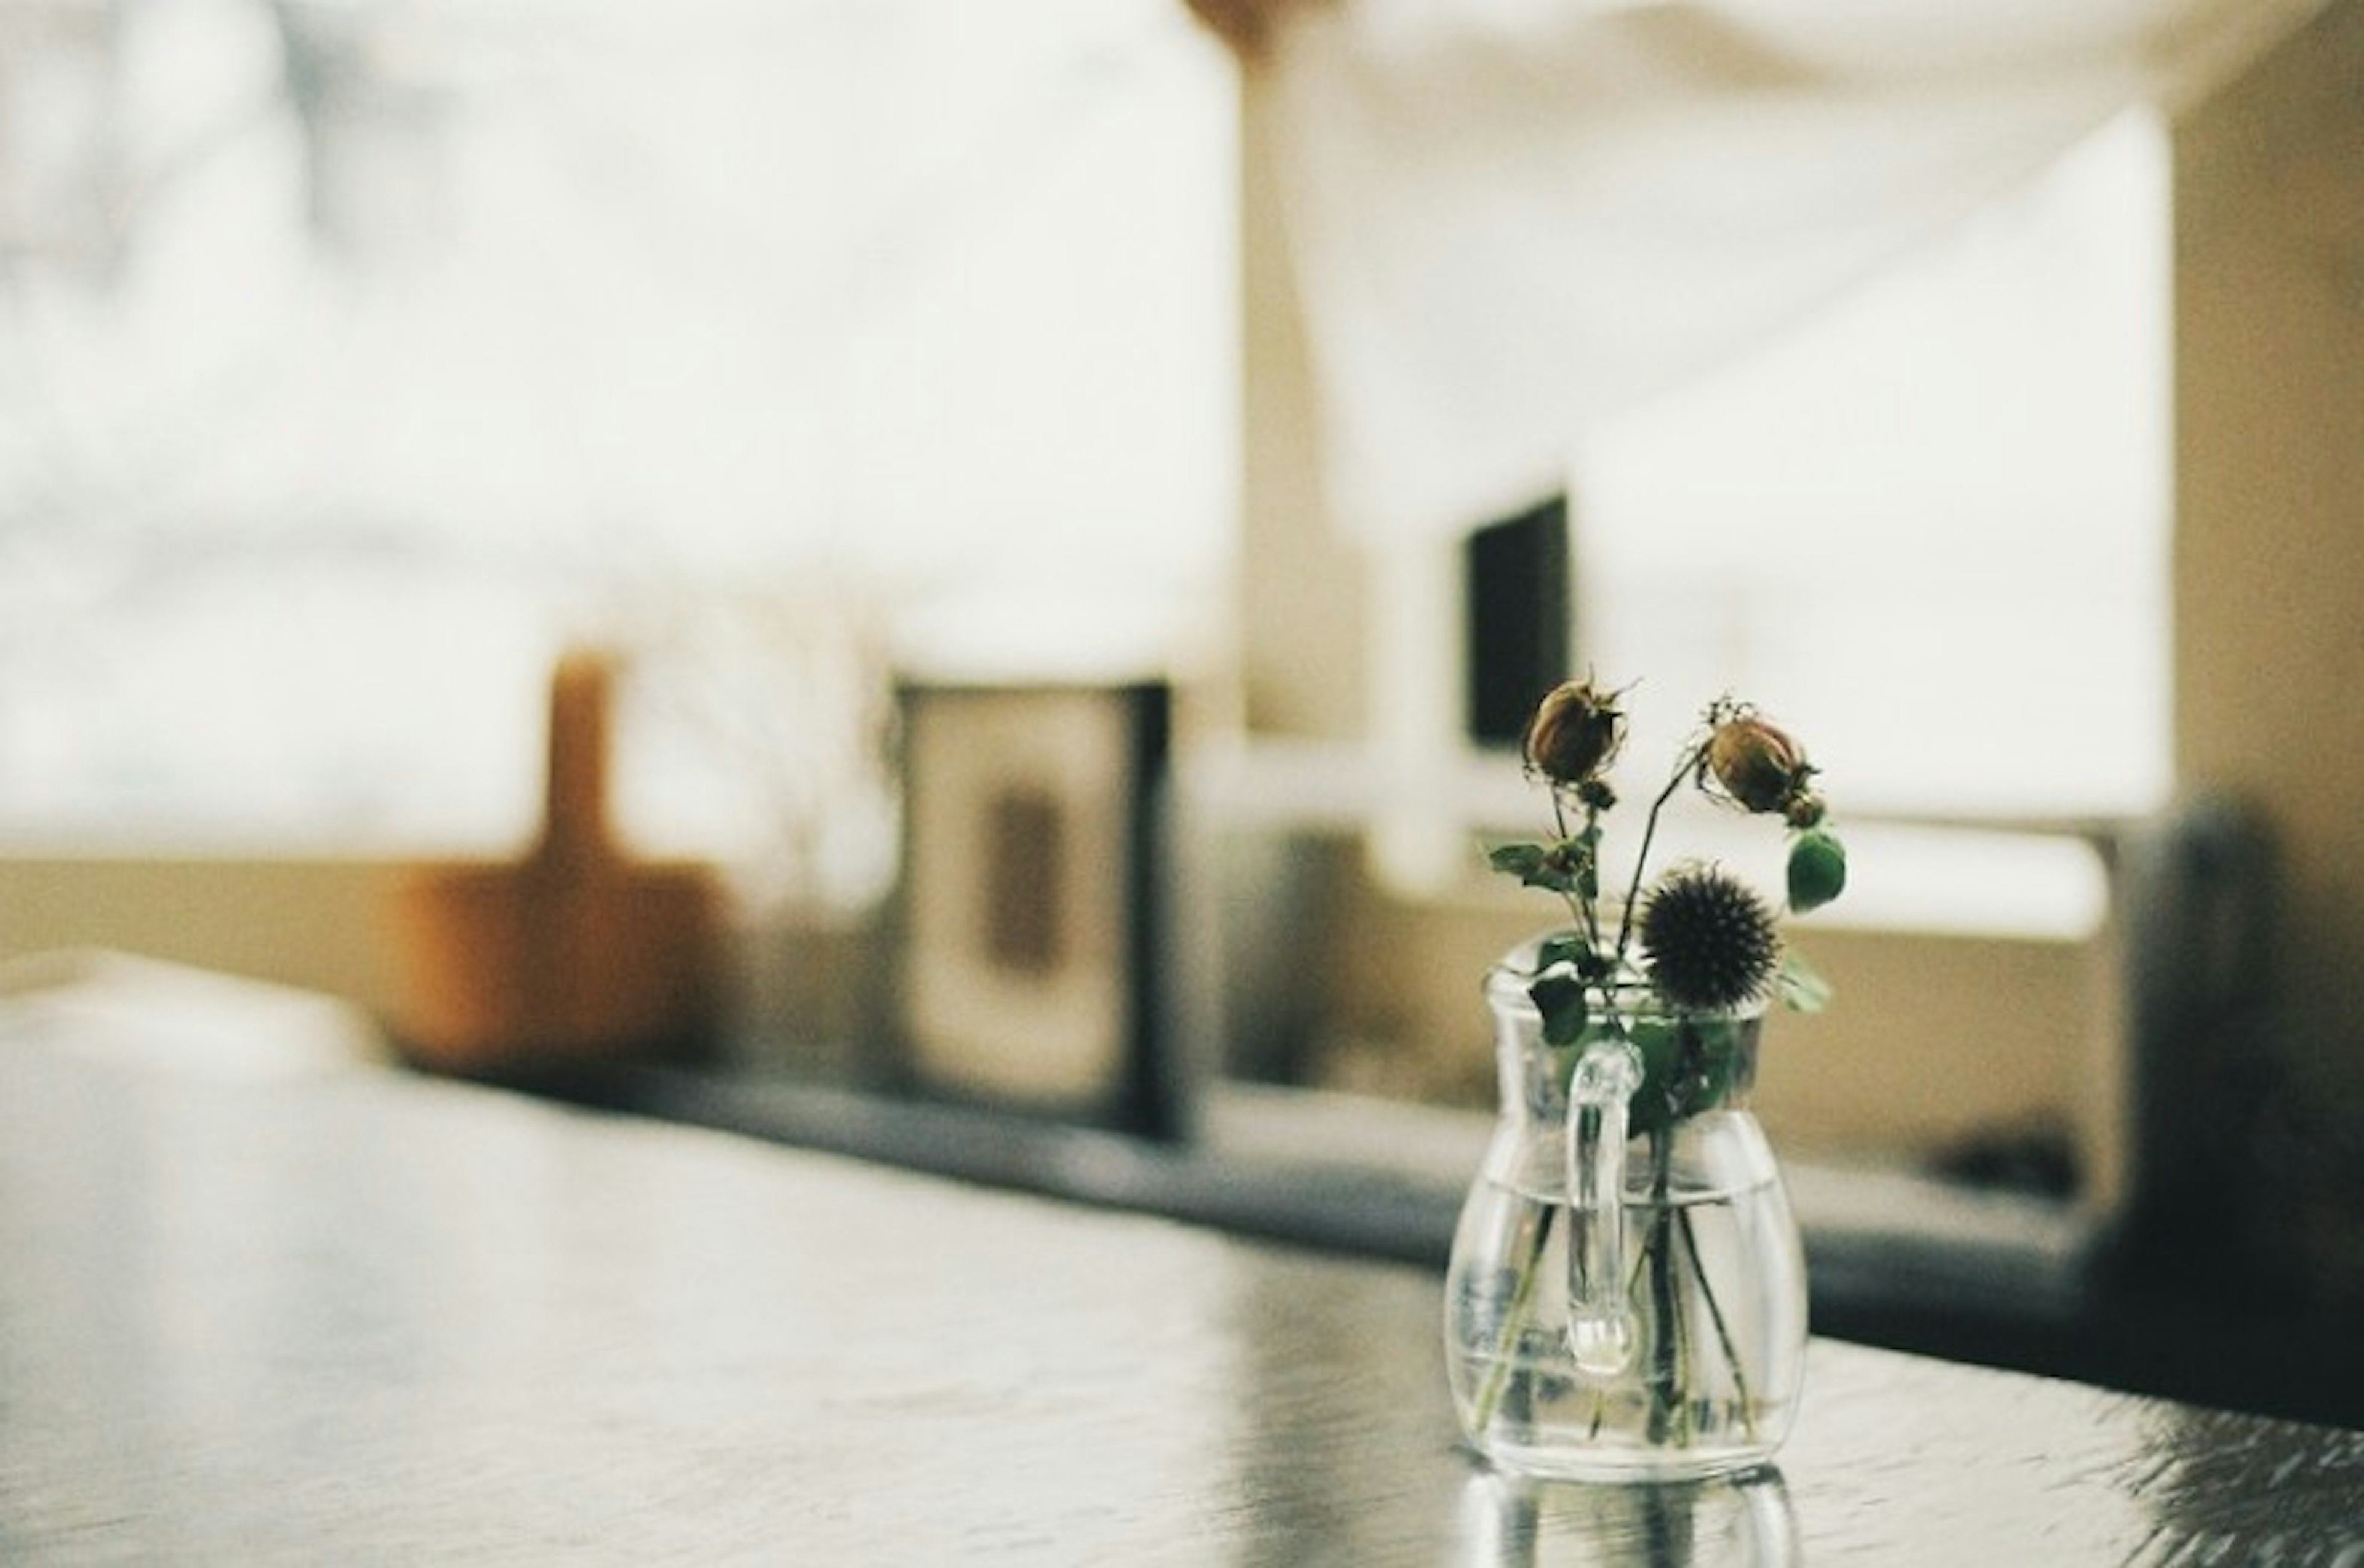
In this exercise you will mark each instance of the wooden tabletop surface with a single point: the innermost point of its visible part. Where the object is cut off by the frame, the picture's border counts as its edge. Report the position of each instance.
(312, 1313)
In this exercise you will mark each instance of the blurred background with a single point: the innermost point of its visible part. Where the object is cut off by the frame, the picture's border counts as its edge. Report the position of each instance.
(357, 356)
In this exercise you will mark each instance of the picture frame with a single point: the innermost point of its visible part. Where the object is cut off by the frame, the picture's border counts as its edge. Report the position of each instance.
(1030, 908)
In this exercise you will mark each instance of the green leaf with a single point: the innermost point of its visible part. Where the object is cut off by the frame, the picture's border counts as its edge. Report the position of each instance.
(1536, 865)
(1817, 869)
(1561, 1002)
(1562, 947)
(1801, 988)
(1710, 1054)
(1647, 1112)
(1518, 860)
(1650, 1110)
(1687, 1066)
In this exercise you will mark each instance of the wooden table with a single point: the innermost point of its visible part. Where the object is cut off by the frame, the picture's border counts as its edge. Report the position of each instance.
(308, 1312)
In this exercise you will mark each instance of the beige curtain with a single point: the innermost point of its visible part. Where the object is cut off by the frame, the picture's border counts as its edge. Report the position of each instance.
(1511, 217)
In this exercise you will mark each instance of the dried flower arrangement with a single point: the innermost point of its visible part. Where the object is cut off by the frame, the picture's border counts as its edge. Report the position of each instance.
(1697, 937)
(1648, 1005)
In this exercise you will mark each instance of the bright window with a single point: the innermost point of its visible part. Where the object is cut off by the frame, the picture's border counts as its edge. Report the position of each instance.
(352, 354)
(1933, 519)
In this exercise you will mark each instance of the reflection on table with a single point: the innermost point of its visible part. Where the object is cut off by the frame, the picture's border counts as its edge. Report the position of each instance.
(304, 1312)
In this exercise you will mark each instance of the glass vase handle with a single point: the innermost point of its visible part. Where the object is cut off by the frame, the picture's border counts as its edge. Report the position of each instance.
(1601, 1328)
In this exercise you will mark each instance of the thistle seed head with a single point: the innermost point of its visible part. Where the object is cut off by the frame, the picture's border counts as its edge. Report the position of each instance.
(1711, 943)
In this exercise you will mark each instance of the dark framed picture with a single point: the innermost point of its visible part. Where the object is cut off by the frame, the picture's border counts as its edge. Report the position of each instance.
(1030, 906)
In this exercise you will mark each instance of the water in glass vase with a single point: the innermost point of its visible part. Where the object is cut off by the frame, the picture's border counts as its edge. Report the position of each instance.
(1710, 1349)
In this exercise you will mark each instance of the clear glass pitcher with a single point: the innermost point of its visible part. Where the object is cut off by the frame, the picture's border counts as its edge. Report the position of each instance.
(1627, 1294)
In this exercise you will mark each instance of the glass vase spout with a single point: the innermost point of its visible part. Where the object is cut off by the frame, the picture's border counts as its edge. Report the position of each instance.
(1626, 1297)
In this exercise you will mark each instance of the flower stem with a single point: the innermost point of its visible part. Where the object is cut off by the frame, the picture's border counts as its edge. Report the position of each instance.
(1583, 900)
(1722, 1331)
(1685, 766)
(1668, 1350)
(1514, 1322)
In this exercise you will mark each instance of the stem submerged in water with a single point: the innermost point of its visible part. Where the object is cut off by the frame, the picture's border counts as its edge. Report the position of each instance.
(1722, 1331)
(1669, 1345)
(1514, 1322)
(1676, 1332)
(1669, 1245)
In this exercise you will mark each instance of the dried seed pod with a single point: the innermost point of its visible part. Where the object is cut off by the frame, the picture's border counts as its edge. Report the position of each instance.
(1756, 764)
(1574, 733)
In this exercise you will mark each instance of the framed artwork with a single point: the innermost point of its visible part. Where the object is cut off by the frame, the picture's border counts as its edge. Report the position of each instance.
(1030, 906)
